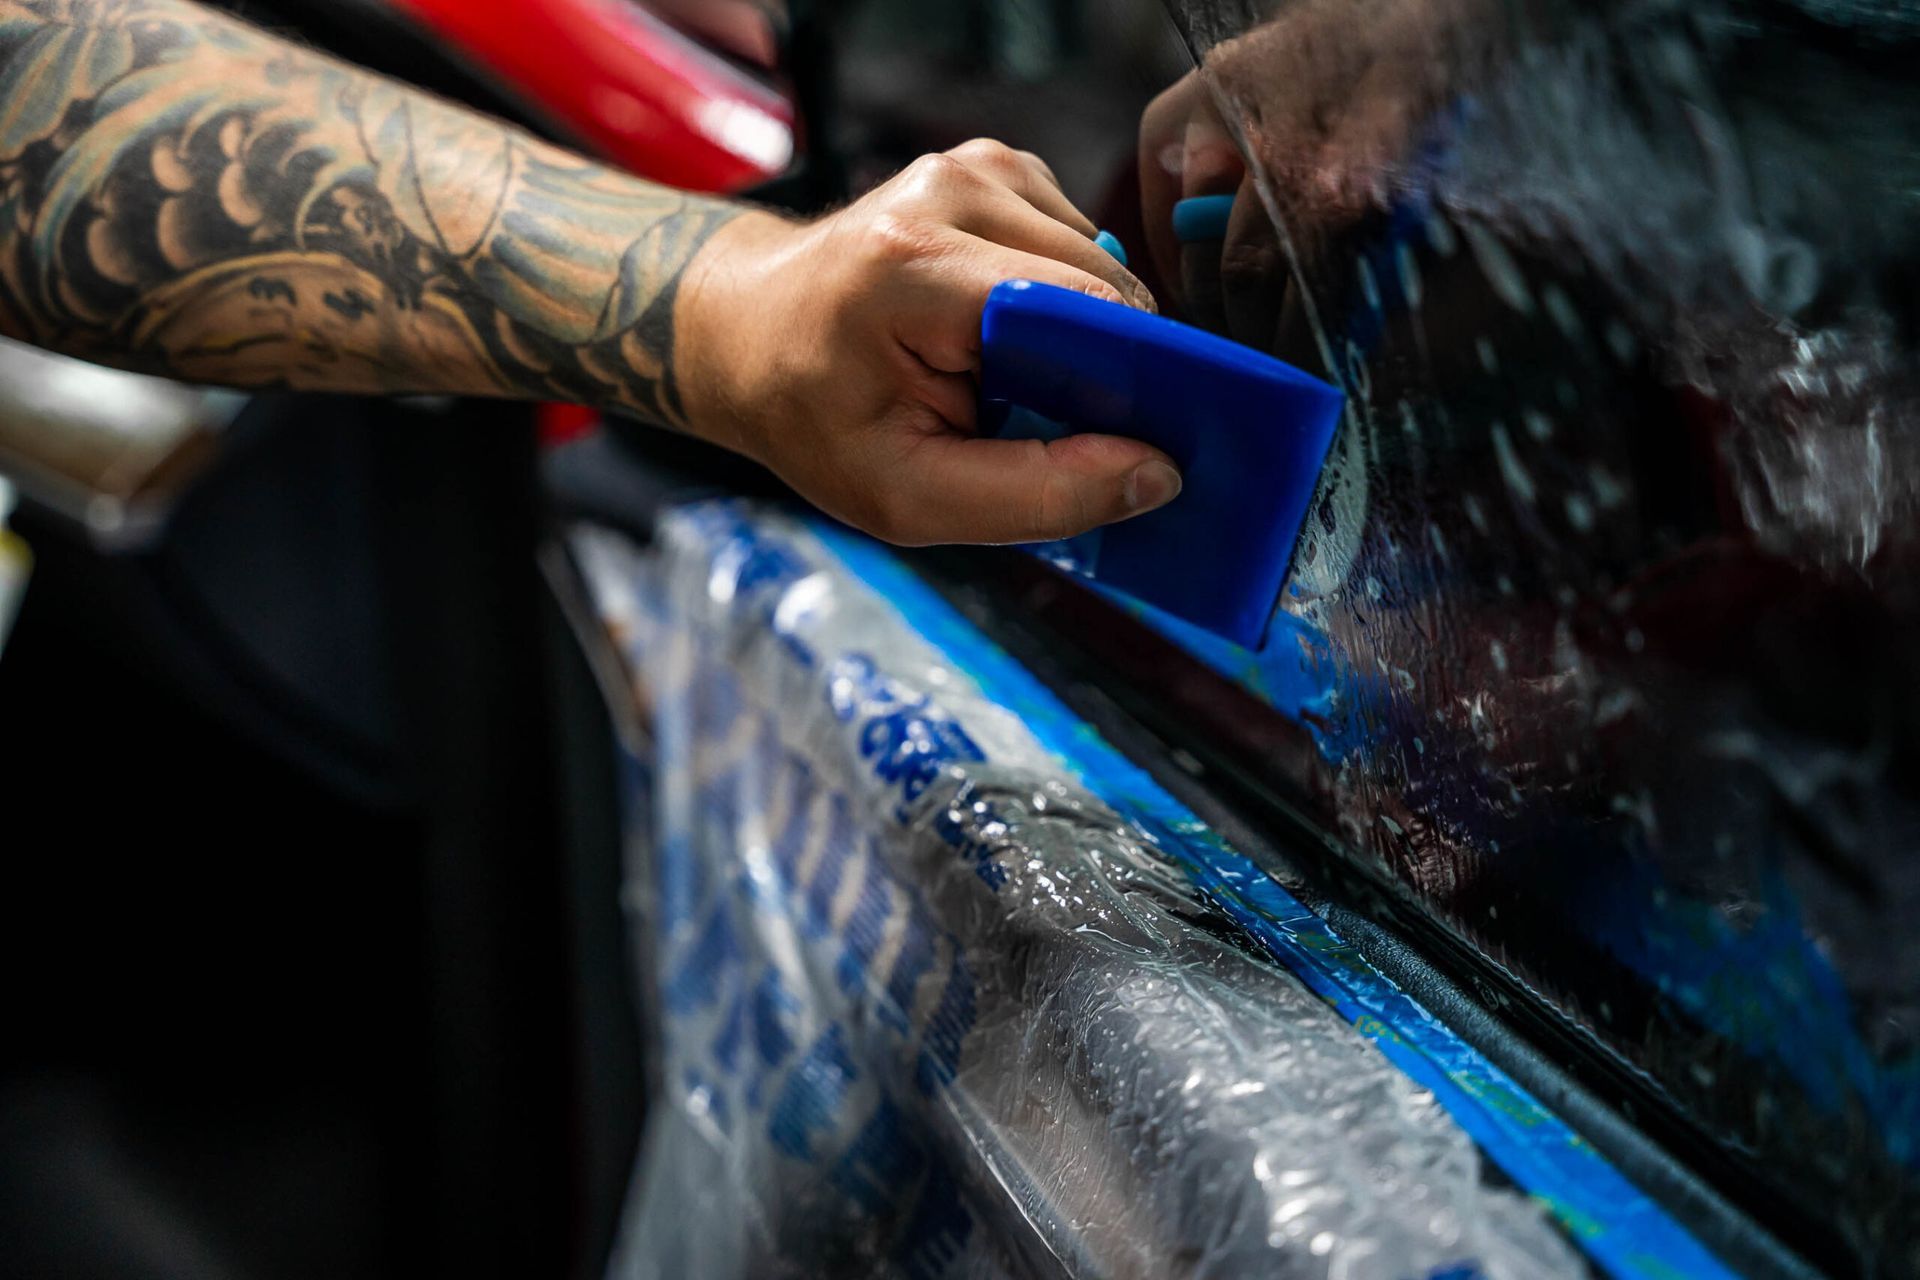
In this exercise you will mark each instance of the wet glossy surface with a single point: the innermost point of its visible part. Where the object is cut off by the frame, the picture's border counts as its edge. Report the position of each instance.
(1609, 615)
(1604, 625)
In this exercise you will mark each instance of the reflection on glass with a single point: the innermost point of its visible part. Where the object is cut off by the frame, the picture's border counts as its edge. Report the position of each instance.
(1603, 626)
(1606, 616)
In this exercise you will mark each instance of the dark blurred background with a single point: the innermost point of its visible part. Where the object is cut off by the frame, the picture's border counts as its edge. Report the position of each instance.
(310, 915)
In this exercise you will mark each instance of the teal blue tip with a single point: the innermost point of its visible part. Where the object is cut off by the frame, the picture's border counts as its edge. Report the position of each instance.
(1111, 243)
(1202, 218)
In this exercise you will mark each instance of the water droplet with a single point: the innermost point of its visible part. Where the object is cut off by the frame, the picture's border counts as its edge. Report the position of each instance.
(1560, 310)
(1620, 341)
(1369, 287)
(1607, 491)
(1410, 284)
(1499, 267)
(1510, 469)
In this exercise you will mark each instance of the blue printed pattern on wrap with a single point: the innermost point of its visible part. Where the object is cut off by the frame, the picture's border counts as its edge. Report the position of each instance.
(930, 1006)
(778, 972)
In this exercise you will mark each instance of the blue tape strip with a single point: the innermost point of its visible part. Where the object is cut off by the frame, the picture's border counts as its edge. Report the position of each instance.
(1618, 1226)
(1202, 218)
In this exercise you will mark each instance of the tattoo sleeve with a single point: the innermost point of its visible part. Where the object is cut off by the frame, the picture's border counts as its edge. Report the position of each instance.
(183, 194)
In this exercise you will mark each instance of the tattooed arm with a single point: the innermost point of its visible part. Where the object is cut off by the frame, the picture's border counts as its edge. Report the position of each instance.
(186, 195)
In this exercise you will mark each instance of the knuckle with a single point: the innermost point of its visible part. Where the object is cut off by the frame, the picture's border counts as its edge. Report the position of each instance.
(938, 173)
(1060, 508)
(1244, 265)
(989, 153)
(895, 238)
(1031, 163)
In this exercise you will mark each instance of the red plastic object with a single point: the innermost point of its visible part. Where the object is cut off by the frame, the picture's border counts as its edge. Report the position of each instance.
(560, 423)
(648, 97)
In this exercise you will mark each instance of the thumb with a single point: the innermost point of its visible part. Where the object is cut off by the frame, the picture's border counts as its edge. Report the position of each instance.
(957, 488)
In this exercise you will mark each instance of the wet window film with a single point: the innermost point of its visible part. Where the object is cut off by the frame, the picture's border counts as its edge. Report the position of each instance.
(1599, 643)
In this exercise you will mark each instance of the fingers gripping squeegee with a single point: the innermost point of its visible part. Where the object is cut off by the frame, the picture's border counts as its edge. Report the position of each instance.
(1248, 432)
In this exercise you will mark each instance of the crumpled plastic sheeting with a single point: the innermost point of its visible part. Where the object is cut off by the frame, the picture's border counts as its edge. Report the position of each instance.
(929, 1008)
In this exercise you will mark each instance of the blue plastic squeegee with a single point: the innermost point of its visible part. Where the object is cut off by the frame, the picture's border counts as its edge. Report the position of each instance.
(1248, 432)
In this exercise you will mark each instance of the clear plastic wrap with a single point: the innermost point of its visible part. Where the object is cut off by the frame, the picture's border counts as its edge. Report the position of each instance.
(928, 1006)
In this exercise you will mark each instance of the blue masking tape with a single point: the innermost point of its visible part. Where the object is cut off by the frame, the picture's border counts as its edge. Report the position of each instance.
(1202, 218)
(1626, 1233)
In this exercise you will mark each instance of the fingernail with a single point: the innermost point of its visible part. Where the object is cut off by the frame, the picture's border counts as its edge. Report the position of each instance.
(1150, 485)
(1199, 219)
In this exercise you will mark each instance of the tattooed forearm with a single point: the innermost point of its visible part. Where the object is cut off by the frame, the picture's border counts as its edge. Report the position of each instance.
(183, 194)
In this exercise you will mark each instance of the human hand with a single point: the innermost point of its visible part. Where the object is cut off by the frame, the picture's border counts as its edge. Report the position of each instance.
(1310, 122)
(1229, 283)
(842, 354)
